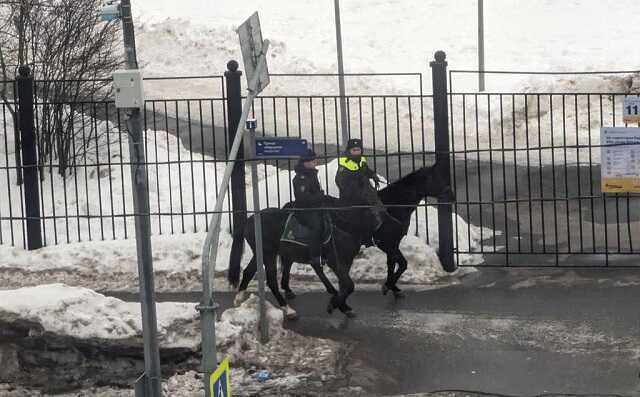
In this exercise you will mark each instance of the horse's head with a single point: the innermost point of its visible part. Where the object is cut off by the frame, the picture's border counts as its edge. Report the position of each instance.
(432, 183)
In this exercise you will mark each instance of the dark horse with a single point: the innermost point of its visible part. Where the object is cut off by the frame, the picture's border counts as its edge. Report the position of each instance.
(339, 252)
(402, 198)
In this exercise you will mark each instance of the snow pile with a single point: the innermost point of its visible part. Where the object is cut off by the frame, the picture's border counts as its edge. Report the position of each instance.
(170, 34)
(84, 314)
(100, 207)
(394, 35)
(237, 328)
(547, 113)
(77, 316)
(111, 265)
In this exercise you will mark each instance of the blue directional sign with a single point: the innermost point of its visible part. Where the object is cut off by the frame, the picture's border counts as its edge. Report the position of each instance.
(280, 147)
(219, 382)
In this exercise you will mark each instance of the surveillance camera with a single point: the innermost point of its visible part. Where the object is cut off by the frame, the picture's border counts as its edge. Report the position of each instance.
(110, 10)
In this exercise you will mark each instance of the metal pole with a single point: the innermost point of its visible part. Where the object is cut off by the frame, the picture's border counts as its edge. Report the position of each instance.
(143, 227)
(441, 136)
(208, 307)
(262, 324)
(30, 157)
(481, 45)
(234, 113)
(343, 104)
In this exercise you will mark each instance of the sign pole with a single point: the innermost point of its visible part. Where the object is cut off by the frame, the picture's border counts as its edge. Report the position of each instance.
(208, 306)
(343, 105)
(481, 86)
(143, 226)
(262, 324)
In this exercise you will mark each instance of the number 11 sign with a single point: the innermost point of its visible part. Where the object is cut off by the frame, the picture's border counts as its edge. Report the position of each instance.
(631, 111)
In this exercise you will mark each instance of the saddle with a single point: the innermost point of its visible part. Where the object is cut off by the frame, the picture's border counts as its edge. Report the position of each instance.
(296, 233)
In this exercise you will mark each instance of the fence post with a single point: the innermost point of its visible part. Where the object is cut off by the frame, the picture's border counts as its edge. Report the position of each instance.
(234, 112)
(29, 157)
(441, 132)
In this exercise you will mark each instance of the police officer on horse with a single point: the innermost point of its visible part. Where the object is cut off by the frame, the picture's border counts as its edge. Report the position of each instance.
(309, 195)
(353, 180)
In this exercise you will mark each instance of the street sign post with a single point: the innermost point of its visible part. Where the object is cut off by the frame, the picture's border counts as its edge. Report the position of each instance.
(254, 53)
(219, 381)
(620, 159)
(251, 126)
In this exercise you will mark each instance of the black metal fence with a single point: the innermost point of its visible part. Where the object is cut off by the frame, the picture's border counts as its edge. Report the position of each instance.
(527, 171)
(525, 165)
(187, 141)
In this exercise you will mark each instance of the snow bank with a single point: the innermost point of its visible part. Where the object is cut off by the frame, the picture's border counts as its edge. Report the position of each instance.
(101, 207)
(295, 363)
(169, 34)
(112, 264)
(84, 314)
(394, 35)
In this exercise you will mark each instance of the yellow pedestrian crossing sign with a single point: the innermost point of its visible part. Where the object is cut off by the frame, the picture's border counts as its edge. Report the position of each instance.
(219, 382)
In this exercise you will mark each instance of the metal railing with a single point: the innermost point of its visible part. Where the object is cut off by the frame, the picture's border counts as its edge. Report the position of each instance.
(527, 172)
(187, 141)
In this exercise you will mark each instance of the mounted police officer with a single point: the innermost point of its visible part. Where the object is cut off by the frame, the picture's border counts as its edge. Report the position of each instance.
(308, 194)
(353, 180)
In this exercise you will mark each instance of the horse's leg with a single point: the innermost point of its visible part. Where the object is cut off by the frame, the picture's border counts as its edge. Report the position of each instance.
(402, 267)
(286, 264)
(391, 267)
(247, 276)
(272, 281)
(346, 287)
(325, 281)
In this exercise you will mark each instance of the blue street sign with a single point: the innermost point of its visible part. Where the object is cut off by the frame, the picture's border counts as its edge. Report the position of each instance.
(280, 147)
(219, 382)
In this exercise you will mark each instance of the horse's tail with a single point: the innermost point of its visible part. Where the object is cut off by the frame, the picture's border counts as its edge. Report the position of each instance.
(237, 249)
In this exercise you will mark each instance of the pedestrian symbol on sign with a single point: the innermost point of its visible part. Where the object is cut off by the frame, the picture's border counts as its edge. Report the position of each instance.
(219, 381)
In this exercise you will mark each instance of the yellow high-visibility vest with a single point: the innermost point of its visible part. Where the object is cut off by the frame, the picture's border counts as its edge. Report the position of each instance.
(352, 165)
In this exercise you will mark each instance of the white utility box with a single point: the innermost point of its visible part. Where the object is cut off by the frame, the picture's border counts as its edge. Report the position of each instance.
(127, 85)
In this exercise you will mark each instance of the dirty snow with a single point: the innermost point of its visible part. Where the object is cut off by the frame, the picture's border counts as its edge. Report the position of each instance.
(84, 314)
(296, 363)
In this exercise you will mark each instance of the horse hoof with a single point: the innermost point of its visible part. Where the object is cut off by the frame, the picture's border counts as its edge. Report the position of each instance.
(289, 295)
(350, 314)
(399, 294)
(330, 308)
(241, 296)
(385, 289)
(289, 312)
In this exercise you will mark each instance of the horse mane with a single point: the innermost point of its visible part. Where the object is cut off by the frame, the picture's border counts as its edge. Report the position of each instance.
(403, 186)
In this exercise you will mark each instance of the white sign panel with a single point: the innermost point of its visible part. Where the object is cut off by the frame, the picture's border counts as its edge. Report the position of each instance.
(631, 109)
(253, 52)
(620, 158)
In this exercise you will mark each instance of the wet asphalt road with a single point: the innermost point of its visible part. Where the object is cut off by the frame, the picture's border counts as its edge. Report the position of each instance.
(518, 332)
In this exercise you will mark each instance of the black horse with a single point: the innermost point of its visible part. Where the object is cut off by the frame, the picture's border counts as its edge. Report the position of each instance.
(401, 198)
(340, 252)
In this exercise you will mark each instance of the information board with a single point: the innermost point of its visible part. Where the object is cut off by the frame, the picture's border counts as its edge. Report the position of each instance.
(620, 160)
(280, 147)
